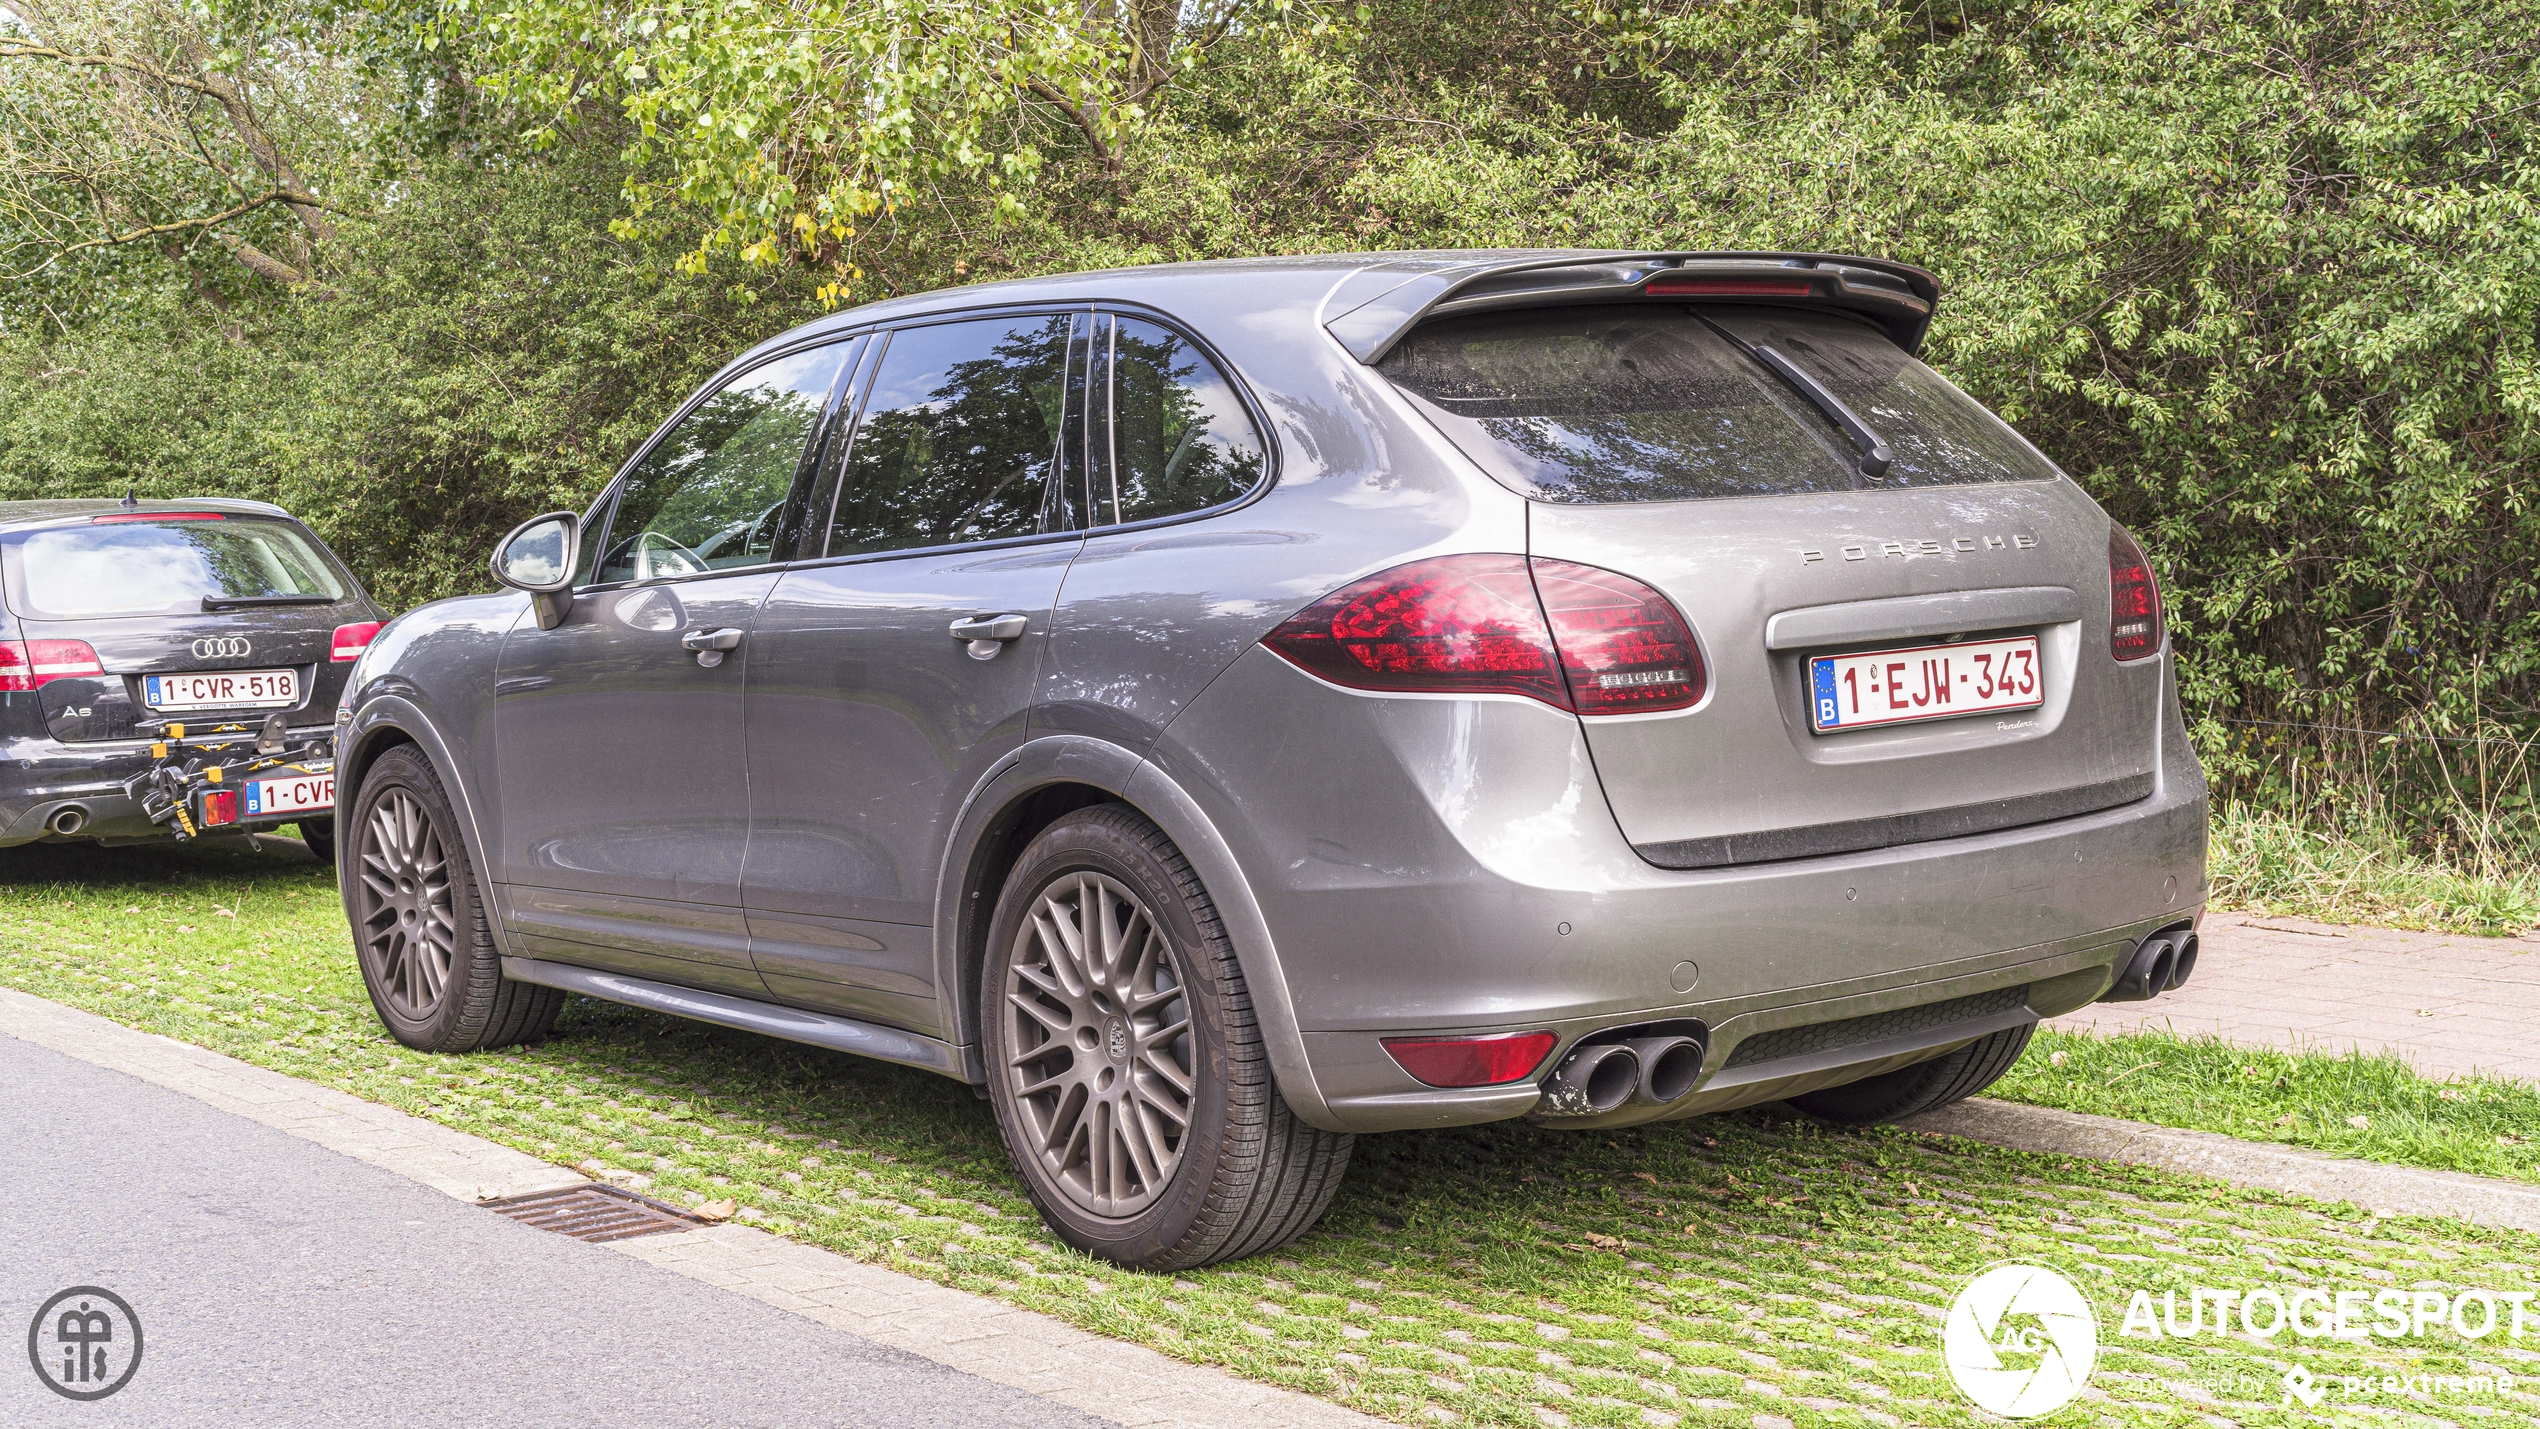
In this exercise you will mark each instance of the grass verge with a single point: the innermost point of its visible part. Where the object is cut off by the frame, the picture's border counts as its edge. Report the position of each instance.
(1738, 1271)
(2267, 864)
(2368, 1105)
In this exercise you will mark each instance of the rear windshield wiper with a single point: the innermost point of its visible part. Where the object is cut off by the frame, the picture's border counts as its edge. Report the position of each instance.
(1875, 457)
(233, 602)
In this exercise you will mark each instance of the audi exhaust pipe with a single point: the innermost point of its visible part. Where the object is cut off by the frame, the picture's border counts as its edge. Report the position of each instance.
(1592, 1080)
(1669, 1066)
(67, 820)
(2163, 961)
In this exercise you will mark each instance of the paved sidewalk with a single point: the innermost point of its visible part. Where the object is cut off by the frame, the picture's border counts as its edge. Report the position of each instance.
(2450, 1004)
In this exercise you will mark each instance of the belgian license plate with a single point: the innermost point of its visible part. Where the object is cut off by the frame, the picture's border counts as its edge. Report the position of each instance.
(222, 690)
(300, 794)
(1879, 687)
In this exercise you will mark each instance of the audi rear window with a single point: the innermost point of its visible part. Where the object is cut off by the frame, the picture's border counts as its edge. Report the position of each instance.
(1651, 402)
(123, 567)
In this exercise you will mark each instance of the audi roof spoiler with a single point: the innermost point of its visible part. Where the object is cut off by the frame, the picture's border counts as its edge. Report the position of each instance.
(1376, 305)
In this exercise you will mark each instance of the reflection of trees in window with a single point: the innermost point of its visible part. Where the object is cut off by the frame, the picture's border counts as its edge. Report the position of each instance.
(1656, 456)
(971, 459)
(713, 484)
(1180, 439)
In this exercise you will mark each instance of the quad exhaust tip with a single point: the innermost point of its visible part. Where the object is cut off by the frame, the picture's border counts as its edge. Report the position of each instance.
(1669, 1066)
(2162, 963)
(1599, 1077)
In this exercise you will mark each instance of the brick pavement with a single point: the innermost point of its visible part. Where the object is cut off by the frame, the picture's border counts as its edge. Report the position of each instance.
(2448, 1003)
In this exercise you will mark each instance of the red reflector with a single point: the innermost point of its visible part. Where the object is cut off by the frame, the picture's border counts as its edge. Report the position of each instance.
(1447, 625)
(351, 640)
(1665, 287)
(1471, 1061)
(220, 806)
(31, 664)
(118, 517)
(2134, 600)
(1623, 647)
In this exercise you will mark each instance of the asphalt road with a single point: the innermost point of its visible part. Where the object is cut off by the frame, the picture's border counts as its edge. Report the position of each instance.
(281, 1284)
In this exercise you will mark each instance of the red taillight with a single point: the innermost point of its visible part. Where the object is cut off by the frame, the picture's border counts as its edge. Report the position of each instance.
(1623, 647)
(119, 517)
(1727, 287)
(1465, 625)
(32, 664)
(352, 640)
(1471, 1061)
(220, 806)
(2134, 600)
(1476, 625)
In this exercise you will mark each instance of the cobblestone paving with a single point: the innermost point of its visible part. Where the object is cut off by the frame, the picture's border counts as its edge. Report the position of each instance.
(1744, 1271)
(2449, 1003)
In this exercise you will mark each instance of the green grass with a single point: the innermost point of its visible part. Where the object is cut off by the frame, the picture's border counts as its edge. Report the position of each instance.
(2485, 1125)
(2273, 866)
(1707, 1272)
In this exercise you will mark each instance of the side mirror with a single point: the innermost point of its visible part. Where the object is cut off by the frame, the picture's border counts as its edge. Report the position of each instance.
(538, 557)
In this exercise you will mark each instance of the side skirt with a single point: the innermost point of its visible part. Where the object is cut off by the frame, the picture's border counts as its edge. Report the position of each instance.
(794, 1024)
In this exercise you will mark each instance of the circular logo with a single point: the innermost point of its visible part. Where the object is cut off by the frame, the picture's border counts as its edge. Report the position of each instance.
(85, 1343)
(221, 647)
(2019, 1340)
(1117, 1036)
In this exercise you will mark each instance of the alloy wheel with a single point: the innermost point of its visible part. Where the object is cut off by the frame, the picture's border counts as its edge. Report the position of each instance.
(1100, 1062)
(408, 928)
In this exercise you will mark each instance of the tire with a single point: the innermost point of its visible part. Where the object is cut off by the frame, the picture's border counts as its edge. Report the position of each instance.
(1907, 1091)
(1069, 1051)
(319, 835)
(419, 927)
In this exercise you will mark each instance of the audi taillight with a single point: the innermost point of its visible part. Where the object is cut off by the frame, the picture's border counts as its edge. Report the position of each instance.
(1470, 1061)
(33, 664)
(351, 640)
(2134, 600)
(1575, 637)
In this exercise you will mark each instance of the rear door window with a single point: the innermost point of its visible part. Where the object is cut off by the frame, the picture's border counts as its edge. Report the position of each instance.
(960, 437)
(165, 566)
(711, 493)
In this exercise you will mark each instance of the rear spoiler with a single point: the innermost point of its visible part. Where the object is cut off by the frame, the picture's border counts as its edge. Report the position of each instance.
(1386, 301)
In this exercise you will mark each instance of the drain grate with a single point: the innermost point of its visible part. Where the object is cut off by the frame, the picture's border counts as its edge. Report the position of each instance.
(593, 1212)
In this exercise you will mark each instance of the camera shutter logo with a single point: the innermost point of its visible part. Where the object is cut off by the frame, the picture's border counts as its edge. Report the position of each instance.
(2019, 1340)
(85, 1343)
(222, 647)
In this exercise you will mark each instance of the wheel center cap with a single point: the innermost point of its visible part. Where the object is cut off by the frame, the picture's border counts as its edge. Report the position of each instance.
(1115, 1038)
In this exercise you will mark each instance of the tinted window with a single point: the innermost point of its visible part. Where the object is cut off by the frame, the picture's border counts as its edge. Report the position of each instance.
(1179, 439)
(1937, 435)
(162, 567)
(711, 493)
(959, 439)
(1615, 404)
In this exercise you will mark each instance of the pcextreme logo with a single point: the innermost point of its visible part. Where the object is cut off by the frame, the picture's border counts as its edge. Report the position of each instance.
(2019, 1340)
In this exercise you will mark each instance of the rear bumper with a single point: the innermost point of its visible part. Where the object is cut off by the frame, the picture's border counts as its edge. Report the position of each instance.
(41, 778)
(1451, 867)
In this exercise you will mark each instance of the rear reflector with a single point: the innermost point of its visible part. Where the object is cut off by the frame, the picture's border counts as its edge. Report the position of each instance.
(119, 517)
(1476, 625)
(1623, 647)
(220, 806)
(352, 640)
(32, 664)
(1465, 625)
(1664, 287)
(2134, 600)
(1471, 1061)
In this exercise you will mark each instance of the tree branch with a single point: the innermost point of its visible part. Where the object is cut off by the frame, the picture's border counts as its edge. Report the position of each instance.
(1084, 122)
(239, 248)
(20, 50)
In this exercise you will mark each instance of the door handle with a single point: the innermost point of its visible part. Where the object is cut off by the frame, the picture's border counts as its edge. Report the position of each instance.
(987, 634)
(711, 645)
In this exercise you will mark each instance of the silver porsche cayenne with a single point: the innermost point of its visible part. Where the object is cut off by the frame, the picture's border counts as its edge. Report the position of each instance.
(1224, 708)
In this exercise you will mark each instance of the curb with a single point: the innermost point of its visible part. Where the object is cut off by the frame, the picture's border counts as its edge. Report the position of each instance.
(2379, 1187)
(1023, 1349)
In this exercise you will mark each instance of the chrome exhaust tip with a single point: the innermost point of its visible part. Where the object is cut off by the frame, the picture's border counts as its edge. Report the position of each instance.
(1592, 1080)
(67, 820)
(1669, 1066)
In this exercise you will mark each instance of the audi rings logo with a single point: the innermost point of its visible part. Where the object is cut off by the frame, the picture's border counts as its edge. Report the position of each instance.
(221, 647)
(2019, 1340)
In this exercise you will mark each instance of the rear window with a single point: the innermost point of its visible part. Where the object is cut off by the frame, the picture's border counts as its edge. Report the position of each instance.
(161, 567)
(1653, 403)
